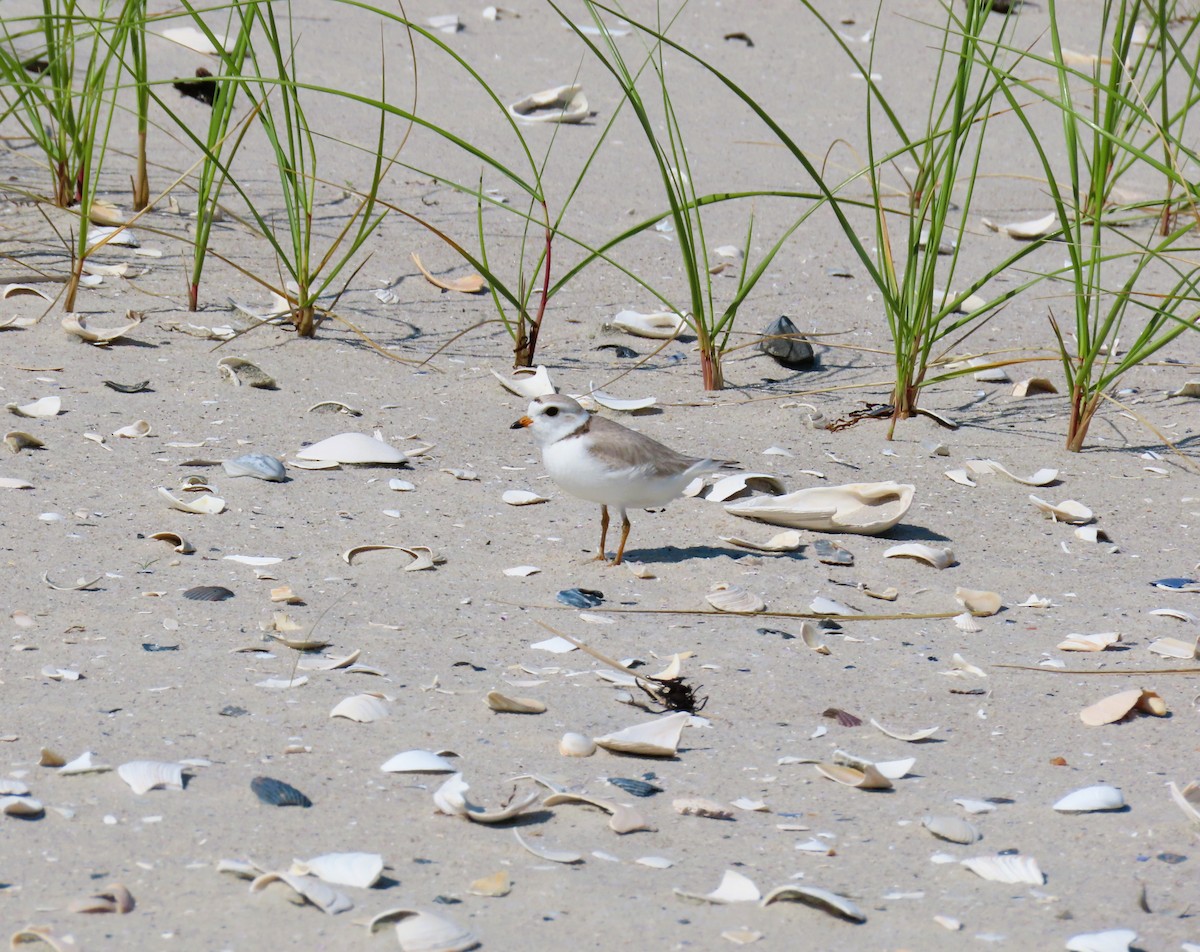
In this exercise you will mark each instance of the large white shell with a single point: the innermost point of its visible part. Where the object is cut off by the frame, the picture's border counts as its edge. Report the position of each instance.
(860, 508)
(418, 761)
(342, 869)
(661, 325)
(42, 408)
(735, 599)
(419, 931)
(324, 897)
(1028, 230)
(952, 828)
(1007, 869)
(574, 744)
(145, 775)
(1111, 940)
(527, 383)
(1091, 800)
(731, 486)
(566, 104)
(1069, 511)
(352, 448)
(656, 738)
(939, 557)
(818, 898)
(363, 708)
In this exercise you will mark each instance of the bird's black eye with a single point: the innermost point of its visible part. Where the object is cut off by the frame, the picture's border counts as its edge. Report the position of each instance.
(552, 411)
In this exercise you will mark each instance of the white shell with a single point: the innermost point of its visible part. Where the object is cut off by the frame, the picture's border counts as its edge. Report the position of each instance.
(939, 557)
(735, 599)
(1069, 511)
(522, 497)
(656, 738)
(952, 828)
(513, 705)
(450, 798)
(401, 485)
(363, 708)
(17, 805)
(1028, 230)
(622, 819)
(565, 104)
(866, 776)
(342, 869)
(1111, 709)
(861, 508)
(977, 601)
(984, 467)
(191, 38)
(258, 465)
(145, 775)
(1175, 648)
(76, 325)
(661, 325)
(911, 737)
(576, 745)
(734, 887)
(352, 448)
(1006, 869)
(1187, 799)
(527, 383)
(622, 404)
(730, 486)
(133, 430)
(83, 764)
(1097, 642)
(1111, 940)
(1091, 800)
(818, 898)
(551, 856)
(419, 931)
(1032, 385)
(204, 504)
(418, 761)
(324, 897)
(39, 409)
(789, 540)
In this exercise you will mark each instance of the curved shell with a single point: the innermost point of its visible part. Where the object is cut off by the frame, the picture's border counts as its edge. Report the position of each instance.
(859, 508)
(258, 465)
(734, 887)
(419, 931)
(656, 738)
(818, 898)
(146, 775)
(730, 486)
(661, 325)
(734, 599)
(553, 856)
(40, 409)
(788, 540)
(576, 745)
(622, 404)
(342, 869)
(239, 372)
(1094, 799)
(1069, 511)
(363, 708)
(866, 778)
(76, 325)
(204, 504)
(450, 798)
(418, 761)
(978, 602)
(20, 805)
(952, 828)
(513, 705)
(528, 383)
(566, 104)
(1111, 940)
(133, 430)
(175, 540)
(984, 467)
(352, 448)
(940, 557)
(324, 897)
(522, 497)
(1007, 869)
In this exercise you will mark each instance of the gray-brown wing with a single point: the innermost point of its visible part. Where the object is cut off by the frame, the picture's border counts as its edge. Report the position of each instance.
(625, 448)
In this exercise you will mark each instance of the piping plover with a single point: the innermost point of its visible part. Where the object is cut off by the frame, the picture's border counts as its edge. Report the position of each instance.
(606, 463)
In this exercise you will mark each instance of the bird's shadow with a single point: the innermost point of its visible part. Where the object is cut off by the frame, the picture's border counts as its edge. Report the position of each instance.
(674, 554)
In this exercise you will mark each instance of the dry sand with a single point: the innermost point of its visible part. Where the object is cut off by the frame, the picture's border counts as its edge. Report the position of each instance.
(446, 637)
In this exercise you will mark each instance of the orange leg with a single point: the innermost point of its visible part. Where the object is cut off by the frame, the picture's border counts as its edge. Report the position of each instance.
(625, 526)
(600, 556)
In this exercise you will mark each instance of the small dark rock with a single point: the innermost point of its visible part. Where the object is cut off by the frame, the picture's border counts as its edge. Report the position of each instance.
(783, 342)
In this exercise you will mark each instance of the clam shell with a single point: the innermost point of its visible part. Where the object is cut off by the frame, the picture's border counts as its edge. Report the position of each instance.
(1007, 869)
(939, 557)
(313, 891)
(175, 540)
(42, 408)
(241, 372)
(984, 467)
(363, 708)
(911, 737)
(418, 761)
(1033, 385)
(419, 931)
(866, 778)
(258, 465)
(576, 745)
(8, 482)
(1175, 648)
(978, 602)
(133, 430)
(450, 798)
(1111, 940)
(566, 104)
(656, 738)
(1111, 709)
(146, 775)
(1028, 230)
(621, 404)
(513, 705)
(195, 40)
(342, 869)
(77, 326)
(734, 887)
(661, 325)
(730, 486)
(16, 805)
(17, 440)
(552, 856)
(734, 599)
(522, 497)
(861, 508)
(1069, 511)
(528, 383)
(1091, 800)
(818, 898)
(810, 635)
(353, 448)
(952, 828)
(204, 504)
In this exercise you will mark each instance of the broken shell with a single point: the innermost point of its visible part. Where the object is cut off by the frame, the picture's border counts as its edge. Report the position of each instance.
(241, 372)
(661, 325)
(40, 409)
(258, 465)
(1069, 511)
(787, 541)
(960, 476)
(495, 886)
(363, 708)
(342, 869)
(313, 891)
(466, 475)
(100, 336)
(984, 467)
(419, 931)
(1111, 940)
(328, 663)
(522, 497)
(622, 819)
(528, 383)
(1028, 230)
(146, 775)
(115, 898)
(1175, 648)
(939, 557)
(734, 599)
(17, 440)
(978, 602)
(621, 404)
(513, 705)
(204, 504)
(176, 541)
(731, 486)
(133, 430)
(966, 622)
(80, 765)
(552, 856)
(1027, 388)
(7, 482)
(734, 887)
(334, 406)
(467, 284)
(566, 104)
(953, 829)
(1188, 800)
(356, 448)
(276, 793)
(450, 798)
(861, 508)
(635, 788)
(656, 738)
(1097, 642)
(1091, 800)
(33, 935)
(418, 761)
(15, 805)
(866, 778)
(818, 898)
(401, 485)
(911, 737)
(576, 745)
(1115, 707)
(700, 806)
(1006, 869)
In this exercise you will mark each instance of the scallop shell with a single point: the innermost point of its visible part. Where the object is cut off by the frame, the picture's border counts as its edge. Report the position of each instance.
(419, 931)
(656, 738)
(731, 486)
(313, 891)
(566, 104)
(513, 705)
(984, 467)
(363, 708)
(553, 856)
(342, 869)
(939, 557)
(450, 798)
(1007, 869)
(1111, 940)
(258, 465)
(146, 775)
(734, 887)
(528, 383)
(860, 508)
(133, 430)
(241, 372)
(661, 325)
(953, 829)
(734, 599)
(1069, 511)
(42, 408)
(522, 497)
(1091, 800)
(418, 761)
(355, 448)
(818, 898)
(77, 326)
(203, 505)
(576, 745)
(978, 602)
